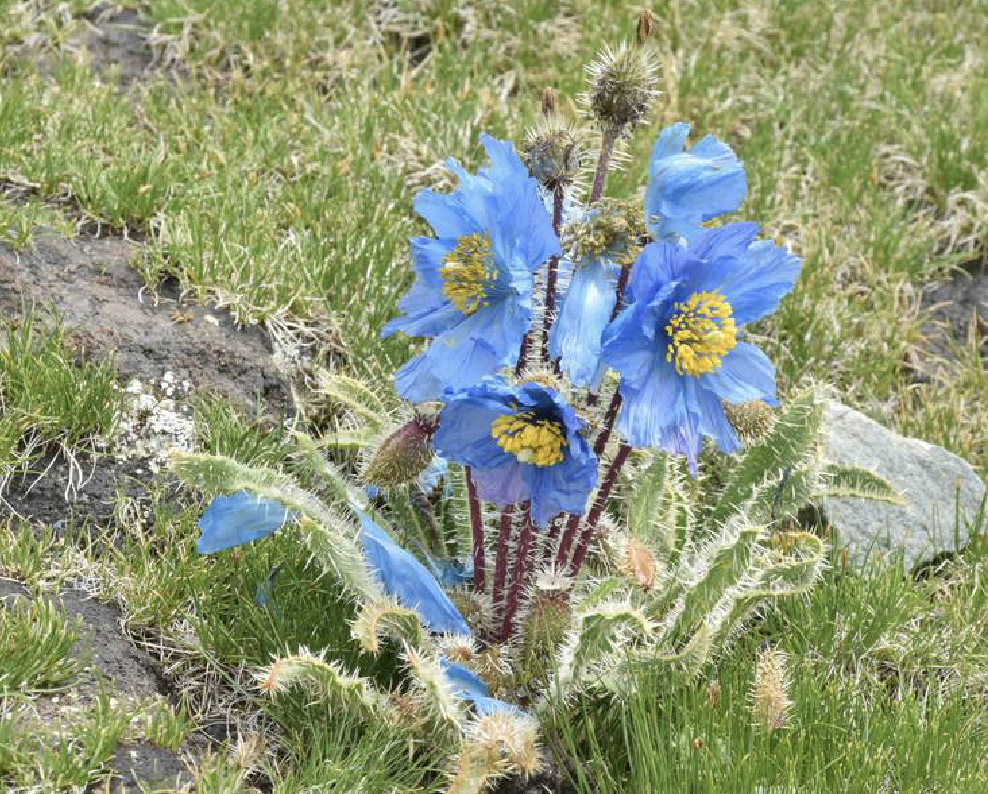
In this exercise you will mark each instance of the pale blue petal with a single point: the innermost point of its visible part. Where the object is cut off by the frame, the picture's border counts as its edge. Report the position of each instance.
(467, 686)
(433, 474)
(408, 580)
(585, 311)
(239, 518)
(648, 412)
(745, 373)
(764, 274)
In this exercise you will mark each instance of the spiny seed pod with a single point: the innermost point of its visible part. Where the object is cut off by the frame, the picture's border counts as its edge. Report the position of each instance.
(403, 455)
(614, 229)
(751, 420)
(770, 702)
(622, 87)
(554, 150)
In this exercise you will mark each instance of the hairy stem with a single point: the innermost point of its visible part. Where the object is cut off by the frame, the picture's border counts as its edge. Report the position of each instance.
(609, 418)
(622, 283)
(501, 562)
(598, 508)
(477, 528)
(607, 141)
(569, 534)
(518, 575)
(553, 274)
(526, 343)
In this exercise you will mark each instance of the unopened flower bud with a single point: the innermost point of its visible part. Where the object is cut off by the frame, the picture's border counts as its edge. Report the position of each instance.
(402, 456)
(646, 20)
(751, 420)
(553, 151)
(622, 87)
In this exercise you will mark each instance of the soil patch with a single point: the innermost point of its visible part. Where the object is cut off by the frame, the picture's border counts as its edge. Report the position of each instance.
(958, 308)
(114, 665)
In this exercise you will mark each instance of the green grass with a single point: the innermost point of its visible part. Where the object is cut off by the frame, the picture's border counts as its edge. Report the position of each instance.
(270, 166)
(36, 641)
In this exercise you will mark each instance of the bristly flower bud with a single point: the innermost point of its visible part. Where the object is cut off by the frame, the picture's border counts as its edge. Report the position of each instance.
(403, 455)
(751, 420)
(614, 229)
(622, 87)
(646, 21)
(770, 702)
(554, 150)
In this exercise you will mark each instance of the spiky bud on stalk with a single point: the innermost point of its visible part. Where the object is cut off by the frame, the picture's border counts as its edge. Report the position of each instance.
(403, 455)
(554, 149)
(770, 701)
(495, 746)
(622, 87)
(752, 420)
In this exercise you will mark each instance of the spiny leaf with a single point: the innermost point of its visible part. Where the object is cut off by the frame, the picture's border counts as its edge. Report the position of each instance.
(355, 396)
(601, 632)
(764, 465)
(857, 483)
(384, 618)
(326, 681)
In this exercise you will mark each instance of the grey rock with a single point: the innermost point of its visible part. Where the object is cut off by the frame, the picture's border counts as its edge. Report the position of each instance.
(944, 495)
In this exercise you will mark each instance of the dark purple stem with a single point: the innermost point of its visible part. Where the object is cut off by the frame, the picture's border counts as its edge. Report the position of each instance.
(553, 274)
(607, 141)
(526, 343)
(619, 291)
(598, 508)
(609, 418)
(501, 563)
(477, 526)
(518, 575)
(568, 536)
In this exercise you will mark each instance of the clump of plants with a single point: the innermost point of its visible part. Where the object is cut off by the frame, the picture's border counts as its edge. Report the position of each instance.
(539, 524)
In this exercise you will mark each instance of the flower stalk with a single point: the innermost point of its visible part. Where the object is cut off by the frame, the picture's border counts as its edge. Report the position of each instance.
(501, 562)
(477, 531)
(598, 507)
(519, 575)
(552, 274)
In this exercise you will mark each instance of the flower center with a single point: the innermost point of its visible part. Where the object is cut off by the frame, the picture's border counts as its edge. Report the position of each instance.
(700, 333)
(468, 271)
(539, 442)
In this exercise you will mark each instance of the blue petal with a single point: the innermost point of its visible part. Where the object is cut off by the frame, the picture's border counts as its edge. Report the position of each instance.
(585, 312)
(468, 686)
(425, 310)
(408, 580)
(648, 412)
(658, 265)
(713, 420)
(434, 472)
(745, 373)
(731, 239)
(504, 484)
(239, 518)
(446, 214)
(563, 488)
(687, 188)
(765, 272)
(464, 431)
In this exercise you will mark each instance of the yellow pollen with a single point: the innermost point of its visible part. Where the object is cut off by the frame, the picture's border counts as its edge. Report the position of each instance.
(700, 333)
(468, 271)
(538, 442)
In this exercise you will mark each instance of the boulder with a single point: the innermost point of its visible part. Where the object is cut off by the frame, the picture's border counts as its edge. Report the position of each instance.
(944, 496)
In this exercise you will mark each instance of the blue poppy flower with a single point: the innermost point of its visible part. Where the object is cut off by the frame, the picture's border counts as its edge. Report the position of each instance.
(239, 518)
(467, 686)
(408, 580)
(522, 443)
(686, 188)
(677, 344)
(473, 287)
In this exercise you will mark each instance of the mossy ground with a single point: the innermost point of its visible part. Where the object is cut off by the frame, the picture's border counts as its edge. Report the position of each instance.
(264, 154)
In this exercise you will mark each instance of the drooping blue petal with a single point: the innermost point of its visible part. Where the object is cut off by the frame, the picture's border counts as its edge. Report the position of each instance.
(264, 592)
(239, 518)
(408, 580)
(467, 686)
(562, 488)
(686, 188)
(647, 412)
(584, 313)
(713, 420)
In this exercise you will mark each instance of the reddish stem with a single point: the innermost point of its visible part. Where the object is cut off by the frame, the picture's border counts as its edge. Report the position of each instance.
(554, 526)
(609, 418)
(607, 141)
(518, 575)
(598, 507)
(622, 283)
(569, 535)
(553, 274)
(477, 527)
(501, 563)
(526, 343)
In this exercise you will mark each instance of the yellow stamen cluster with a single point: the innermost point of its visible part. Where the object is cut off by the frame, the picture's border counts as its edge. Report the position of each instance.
(614, 230)
(467, 272)
(539, 442)
(700, 333)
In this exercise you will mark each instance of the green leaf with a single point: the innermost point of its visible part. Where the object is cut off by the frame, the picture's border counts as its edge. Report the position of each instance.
(383, 618)
(353, 395)
(842, 481)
